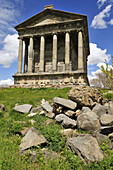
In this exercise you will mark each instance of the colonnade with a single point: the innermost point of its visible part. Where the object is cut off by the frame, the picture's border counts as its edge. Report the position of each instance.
(28, 60)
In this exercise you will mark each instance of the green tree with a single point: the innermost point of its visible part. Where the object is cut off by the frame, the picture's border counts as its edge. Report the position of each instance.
(109, 72)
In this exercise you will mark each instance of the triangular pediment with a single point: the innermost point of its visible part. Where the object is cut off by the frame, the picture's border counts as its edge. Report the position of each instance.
(47, 21)
(49, 16)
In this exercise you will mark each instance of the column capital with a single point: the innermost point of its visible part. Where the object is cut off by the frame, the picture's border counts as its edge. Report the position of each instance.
(20, 38)
(54, 33)
(80, 30)
(67, 32)
(42, 35)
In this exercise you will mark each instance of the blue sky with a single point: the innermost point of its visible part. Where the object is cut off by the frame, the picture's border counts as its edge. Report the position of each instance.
(100, 22)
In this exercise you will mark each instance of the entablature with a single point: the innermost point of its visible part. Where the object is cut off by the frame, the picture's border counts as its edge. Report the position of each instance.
(52, 28)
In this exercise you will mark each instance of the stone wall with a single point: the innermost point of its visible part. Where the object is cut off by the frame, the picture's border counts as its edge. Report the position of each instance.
(51, 79)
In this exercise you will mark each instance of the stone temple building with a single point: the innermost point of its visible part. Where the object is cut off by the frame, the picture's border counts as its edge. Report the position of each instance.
(56, 49)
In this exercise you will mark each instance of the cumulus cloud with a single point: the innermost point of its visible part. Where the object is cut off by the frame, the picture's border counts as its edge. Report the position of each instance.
(110, 22)
(9, 13)
(9, 52)
(96, 60)
(98, 21)
(97, 55)
(94, 74)
(101, 2)
(6, 83)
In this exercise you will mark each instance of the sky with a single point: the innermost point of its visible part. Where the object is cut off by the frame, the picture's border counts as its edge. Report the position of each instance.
(100, 25)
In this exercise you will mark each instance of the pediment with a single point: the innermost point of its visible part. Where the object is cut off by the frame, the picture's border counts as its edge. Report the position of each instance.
(49, 16)
(47, 21)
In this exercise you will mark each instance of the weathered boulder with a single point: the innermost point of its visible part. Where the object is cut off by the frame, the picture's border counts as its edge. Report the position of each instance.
(106, 119)
(46, 106)
(102, 139)
(69, 113)
(88, 121)
(64, 102)
(65, 121)
(85, 96)
(85, 109)
(32, 138)
(25, 108)
(86, 147)
(100, 109)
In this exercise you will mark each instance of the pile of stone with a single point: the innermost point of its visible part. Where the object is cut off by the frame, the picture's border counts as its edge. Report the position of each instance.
(85, 110)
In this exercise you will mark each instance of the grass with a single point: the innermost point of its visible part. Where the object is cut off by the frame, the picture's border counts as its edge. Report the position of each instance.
(10, 140)
(106, 94)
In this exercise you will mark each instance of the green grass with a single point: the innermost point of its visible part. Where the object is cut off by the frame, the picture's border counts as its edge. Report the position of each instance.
(106, 94)
(10, 140)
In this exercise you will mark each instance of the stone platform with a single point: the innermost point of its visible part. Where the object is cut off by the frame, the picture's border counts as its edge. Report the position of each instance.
(50, 79)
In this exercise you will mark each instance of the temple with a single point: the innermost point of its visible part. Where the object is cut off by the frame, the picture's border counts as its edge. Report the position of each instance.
(56, 49)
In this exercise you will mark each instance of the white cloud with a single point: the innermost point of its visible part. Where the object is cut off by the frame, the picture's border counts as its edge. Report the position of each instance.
(97, 55)
(6, 83)
(9, 13)
(94, 74)
(110, 22)
(98, 21)
(101, 2)
(9, 52)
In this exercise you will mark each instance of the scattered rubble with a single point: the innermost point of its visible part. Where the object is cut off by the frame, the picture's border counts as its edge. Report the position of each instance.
(64, 102)
(86, 147)
(85, 111)
(46, 106)
(25, 108)
(65, 121)
(32, 138)
(88, 121)
(85, 96)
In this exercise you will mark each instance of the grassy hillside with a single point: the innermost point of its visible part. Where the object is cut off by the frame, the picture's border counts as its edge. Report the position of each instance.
(10, 140)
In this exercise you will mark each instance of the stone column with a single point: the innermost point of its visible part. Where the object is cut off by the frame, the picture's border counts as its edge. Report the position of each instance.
(42, 48)
(26, 57)
(36, 56)
(80, 51)
(30, 55)
(20, 55)
(67, 51)
(54, 62)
